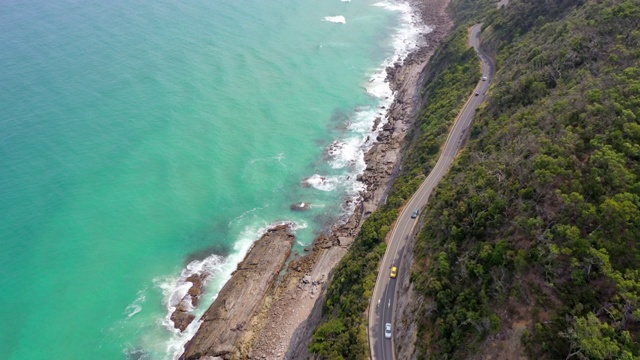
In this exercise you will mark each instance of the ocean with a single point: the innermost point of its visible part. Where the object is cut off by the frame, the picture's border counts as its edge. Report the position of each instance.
(142, 141)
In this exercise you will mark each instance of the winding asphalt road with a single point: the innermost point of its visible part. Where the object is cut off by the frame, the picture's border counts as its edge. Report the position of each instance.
(382, 305)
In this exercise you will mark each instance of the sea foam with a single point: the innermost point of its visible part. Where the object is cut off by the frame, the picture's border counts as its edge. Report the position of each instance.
(336, 19)
(324, 183)
(136, 306)
(409, 35)
(175, 288)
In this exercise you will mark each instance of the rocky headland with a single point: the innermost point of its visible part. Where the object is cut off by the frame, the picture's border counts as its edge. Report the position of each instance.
(282, 319)
(228, 321)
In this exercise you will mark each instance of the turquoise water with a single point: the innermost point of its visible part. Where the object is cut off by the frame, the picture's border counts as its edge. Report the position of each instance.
(137, 136)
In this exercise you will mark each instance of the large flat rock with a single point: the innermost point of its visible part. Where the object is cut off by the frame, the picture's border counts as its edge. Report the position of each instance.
(230, 314)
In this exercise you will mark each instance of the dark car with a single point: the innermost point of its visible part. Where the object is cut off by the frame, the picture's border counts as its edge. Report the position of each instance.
(415, 213)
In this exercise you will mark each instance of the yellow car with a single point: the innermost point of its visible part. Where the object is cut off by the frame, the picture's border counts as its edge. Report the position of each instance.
(394, 272)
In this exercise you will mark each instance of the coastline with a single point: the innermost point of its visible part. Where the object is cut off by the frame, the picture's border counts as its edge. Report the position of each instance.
(383, 162)
(286, 316)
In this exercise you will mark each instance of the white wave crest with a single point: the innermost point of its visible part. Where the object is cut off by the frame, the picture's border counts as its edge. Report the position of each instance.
(324, 183)
(349, 154)
(335, 19)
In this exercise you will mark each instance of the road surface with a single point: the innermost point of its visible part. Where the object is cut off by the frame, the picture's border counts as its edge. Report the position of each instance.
(382, 306)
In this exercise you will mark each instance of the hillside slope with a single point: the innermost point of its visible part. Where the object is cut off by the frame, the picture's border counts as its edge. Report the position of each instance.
(530, 245)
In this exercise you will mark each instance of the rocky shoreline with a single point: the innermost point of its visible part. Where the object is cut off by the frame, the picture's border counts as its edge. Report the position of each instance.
(227, 322)
(283, 317)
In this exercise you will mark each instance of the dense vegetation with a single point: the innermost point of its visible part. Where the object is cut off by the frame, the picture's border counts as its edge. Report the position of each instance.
(535, 230)
(343, 332)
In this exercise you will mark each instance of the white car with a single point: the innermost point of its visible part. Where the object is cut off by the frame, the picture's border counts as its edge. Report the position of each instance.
(387, 330)
(484, 78)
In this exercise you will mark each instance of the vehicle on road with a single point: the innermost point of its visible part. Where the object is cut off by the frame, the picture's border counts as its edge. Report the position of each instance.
(484, 78)
(387, 330)
(394, 272)
(415, 213)
(477, 93)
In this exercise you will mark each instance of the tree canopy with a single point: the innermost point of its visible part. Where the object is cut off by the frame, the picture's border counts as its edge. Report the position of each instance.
(539, 219)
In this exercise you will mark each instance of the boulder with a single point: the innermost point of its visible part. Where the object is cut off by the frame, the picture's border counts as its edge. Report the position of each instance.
(345, 241)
